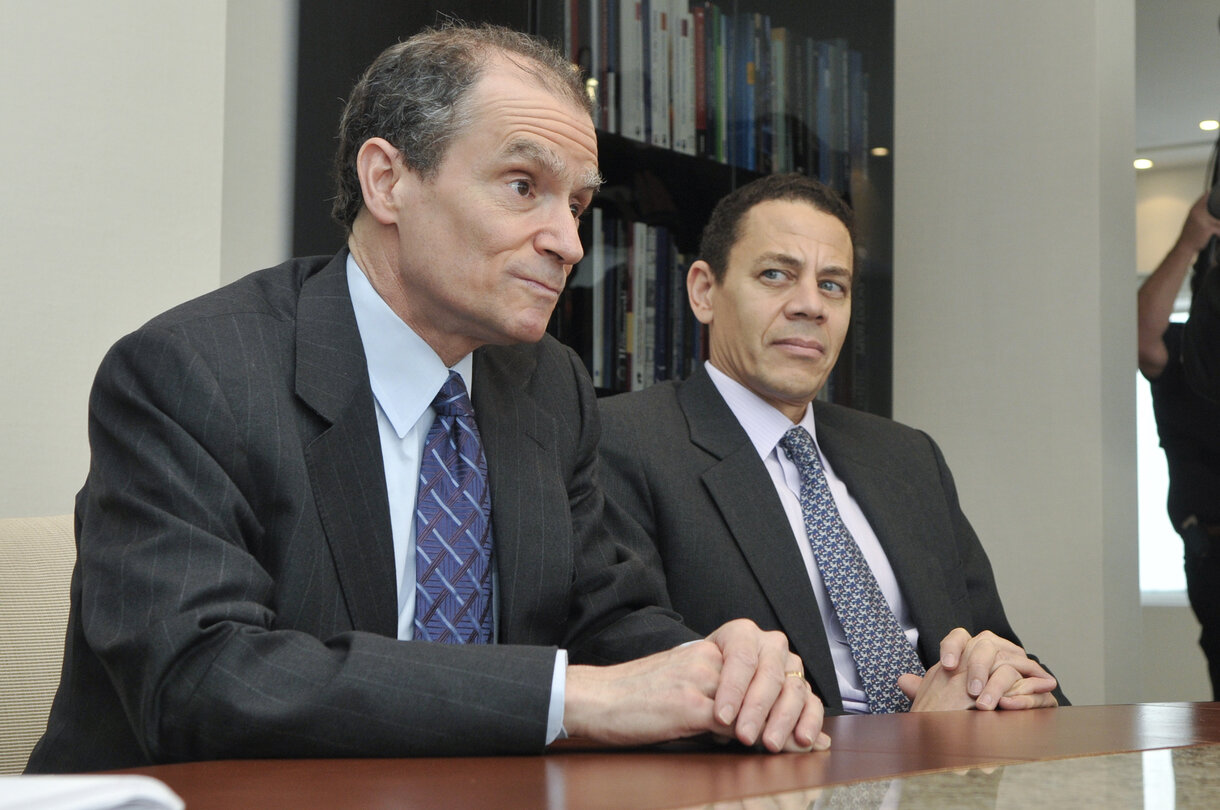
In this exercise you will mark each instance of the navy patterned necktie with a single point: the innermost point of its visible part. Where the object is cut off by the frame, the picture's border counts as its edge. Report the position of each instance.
(453, 526)
(878, 645)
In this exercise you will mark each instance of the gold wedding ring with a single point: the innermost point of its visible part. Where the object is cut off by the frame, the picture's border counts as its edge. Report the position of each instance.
(795, 674)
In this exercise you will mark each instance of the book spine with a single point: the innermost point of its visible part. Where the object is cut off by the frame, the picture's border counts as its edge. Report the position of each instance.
(639, 302)
(699, 18)
(605, 85)
(647, 340)
(780, 151)
(763, 136)
(598, 250)
(660, 309)
(624, 314)
(631, 69)
(658, 38)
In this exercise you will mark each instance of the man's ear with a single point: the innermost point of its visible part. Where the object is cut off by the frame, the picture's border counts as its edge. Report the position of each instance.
(700, 288)
(379, 168)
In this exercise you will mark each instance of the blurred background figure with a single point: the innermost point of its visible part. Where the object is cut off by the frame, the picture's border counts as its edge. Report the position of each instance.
(1185, 391)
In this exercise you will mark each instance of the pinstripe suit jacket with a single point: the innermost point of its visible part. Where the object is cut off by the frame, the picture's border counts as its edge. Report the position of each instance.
(676, 458)
(235, 591)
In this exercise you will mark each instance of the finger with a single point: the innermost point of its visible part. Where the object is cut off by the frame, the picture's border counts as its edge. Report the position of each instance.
(909, 684)
(783, 729)
(1027, 666)
(808, 733)
(981, 664)
(952, 646)
(1031, 686)
(754, 667)
(739, 652)
(1004, 681)
(1040, 700)
(1003, 652)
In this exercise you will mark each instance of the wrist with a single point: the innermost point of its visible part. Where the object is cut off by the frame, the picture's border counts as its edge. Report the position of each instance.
(1185, 250)
(582, 700)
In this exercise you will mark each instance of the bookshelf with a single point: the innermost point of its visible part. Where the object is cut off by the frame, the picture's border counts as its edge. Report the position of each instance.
(693, 99)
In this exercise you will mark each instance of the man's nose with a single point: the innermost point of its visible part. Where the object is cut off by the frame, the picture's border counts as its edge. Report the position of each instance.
(560, 236)
(806, 300)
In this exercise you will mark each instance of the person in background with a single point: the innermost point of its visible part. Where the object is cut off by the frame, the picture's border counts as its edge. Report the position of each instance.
(349, 506)
(1201, 334)
(838, 527)
(1187, 422)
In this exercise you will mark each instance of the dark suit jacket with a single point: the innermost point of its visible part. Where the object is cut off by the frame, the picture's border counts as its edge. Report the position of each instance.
(235, 590)
(676, 458)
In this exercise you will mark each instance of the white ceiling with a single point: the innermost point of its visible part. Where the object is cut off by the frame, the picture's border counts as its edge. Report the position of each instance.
(1177, 78)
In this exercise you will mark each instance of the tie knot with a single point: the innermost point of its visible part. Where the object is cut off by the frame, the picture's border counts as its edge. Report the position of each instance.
(798, 444)
(452, 399)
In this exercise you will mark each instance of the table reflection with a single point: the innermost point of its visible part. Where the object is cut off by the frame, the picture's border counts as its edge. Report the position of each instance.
(1167, 779)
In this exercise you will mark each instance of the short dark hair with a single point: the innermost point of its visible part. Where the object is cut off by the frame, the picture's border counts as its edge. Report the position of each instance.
(414, 95)
(723, 229)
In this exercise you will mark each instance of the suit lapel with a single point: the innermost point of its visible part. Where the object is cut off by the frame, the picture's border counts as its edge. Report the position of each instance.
(344, 460)
(741, 488)
(895, 509)
(518, 435)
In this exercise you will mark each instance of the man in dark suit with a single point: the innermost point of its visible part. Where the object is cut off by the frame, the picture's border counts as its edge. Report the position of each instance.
(712, 469)
(253, 578)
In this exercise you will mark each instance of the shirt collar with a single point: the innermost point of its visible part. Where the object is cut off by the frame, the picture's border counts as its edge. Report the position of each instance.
(762, 421)
(404, 372)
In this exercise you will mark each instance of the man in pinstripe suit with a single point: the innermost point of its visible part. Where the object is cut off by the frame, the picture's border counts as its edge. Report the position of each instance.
(244, 530)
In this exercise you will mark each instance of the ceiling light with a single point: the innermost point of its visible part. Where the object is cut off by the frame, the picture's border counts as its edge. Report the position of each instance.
(1142, 163)
(1209, 125)
(878, 151)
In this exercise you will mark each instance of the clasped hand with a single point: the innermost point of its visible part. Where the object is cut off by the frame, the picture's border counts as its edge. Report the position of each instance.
(738, 683)
(980, 672)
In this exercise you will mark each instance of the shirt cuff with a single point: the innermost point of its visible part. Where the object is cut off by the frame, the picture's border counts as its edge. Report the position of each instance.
(559, 681)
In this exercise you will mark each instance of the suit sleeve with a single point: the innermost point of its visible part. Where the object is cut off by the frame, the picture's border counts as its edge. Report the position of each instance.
(177, 606)
(621, 608)
(627, 489)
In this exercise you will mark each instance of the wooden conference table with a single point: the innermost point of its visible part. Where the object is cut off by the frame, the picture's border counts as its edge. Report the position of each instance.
(1050, 757)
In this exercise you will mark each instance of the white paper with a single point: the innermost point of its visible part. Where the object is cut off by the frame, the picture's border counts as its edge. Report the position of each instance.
(119, 792)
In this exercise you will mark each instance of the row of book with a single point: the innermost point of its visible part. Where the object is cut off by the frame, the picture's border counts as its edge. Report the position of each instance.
(625, 308)
(727, 86)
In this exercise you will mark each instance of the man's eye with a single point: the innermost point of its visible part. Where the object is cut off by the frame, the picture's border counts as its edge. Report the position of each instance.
(772, 275)
(832, 286)
(522, 187)
(576, 210)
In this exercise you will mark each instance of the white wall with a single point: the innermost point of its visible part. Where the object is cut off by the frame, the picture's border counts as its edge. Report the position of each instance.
(120, 140)
(260, 113)
(1014, 306)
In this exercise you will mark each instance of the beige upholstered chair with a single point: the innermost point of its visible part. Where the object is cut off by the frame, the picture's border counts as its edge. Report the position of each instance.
(36, 558)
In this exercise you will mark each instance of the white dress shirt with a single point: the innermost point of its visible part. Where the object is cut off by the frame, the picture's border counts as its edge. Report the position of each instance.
(766, 426)
(405, 374)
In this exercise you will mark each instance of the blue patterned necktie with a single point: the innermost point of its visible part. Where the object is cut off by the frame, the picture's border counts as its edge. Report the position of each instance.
(878, 645)
(453, 526)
